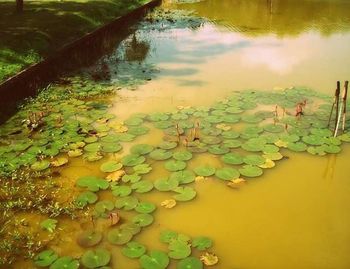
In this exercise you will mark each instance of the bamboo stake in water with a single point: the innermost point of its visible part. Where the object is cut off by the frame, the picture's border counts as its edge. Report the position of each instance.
(340, 116)
(345, 96)
(334, 100)
(337, 94)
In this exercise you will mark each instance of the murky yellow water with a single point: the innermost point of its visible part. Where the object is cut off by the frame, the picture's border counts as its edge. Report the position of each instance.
(296, 215)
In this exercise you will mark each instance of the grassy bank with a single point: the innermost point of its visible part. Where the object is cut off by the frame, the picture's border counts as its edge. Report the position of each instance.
(47, 25)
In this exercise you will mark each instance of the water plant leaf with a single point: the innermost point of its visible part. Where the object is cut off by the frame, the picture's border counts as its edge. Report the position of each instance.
(209, 259)
(227, 173)
(131, 227)
(166, 145)
(231, 143)
(202, 242)
(345, 137)
(65, 262)
(93, 157)
(204, 170)
(40, 165)
(103, 206)
(268, 164)
(313, 140)
(211, 140)
(270, 149)
(179, 249)
(174, 165)
(89, 238)
(254, 159)
(115, 176)
(92, 147)
(143, 220)
(110, 166)
(251, 171)
(190, 263)
(184, 194)
(133, 250)
(168, 203)
(273, 156)
(316, 150)
(322, 132)
(121, 191)
(298, 146)
(331, 149)
(132, 160)
(133, 121)
(92, 183)
(96, 258)
(167, 236)
(182, 155)
(138, 130)
(49, 225)
(160, 154)
(232, 158)
(59, 162)
(119, 236)
(274, 128)
(183, 177)
(86, 198)
(142, 186)
(45, 258)
(155, 260)
(166, 184)
(141, 149)
(145, 207)
(230, 134)
(131, 178)
(126, 203)
(75, 153)
(218, 150)
(251, 118)
(158, 116)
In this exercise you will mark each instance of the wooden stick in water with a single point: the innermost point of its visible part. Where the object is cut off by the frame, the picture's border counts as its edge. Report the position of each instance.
(337, 94)
(334, 100)
(345, 96)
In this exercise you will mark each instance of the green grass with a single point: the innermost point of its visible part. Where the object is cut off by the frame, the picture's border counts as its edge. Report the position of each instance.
(47, 25)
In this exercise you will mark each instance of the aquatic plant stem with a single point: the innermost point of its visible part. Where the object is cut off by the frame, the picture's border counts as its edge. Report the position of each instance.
(345, 96)
(337, 94)
(337, 91)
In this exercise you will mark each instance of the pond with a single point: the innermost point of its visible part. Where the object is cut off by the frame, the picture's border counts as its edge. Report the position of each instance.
(181, 148)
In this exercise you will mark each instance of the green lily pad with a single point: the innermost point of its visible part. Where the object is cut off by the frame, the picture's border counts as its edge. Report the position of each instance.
(142, 186)
(231, 118)
(274, 128)
(89, 238)
(218, 150)
(141, 149)
(298, 146)
(145, 207)
(211, 140)
(270, 149)
(345, 137)
(230, 134)
(48, 225)
(126, 203)
(231, 143)
(104, 206)
(319, 150)
(132, 160)
(232, 158)
(251, 171)
(166, 184)
(143, 220)
(227, 173)
(184, 194)
(119, 236)
(40, 165)
(121, 191)
(321, 132)
(160, 154)
(133, 250)
(202, 243)
(290, 138)
(313, 140)
(124, 137)
(93, 157)
(142, 168)
(158, 117)
(190, 263)
(273, 156)
(167, 145)
(251, 118)
(205, 170)
(131, 227)
(138, 130)
(332, 149)
(254, 159)
(86, 198)
(65, 262)
(92, 183)
(183, 155)
(45, 258)
(174, 165)
(133, 121)
(96, 258)
(167, 236)
(183, 177)
(110, 166)
(131, 178)
(179, 249)
(163, 124)
(155, 260)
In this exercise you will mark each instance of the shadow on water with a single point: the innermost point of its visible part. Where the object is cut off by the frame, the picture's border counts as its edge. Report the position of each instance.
(81, 53)
(281, 17)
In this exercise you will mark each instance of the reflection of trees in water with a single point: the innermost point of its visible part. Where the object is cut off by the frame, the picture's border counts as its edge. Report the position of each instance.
(283, 17)
(136, 50)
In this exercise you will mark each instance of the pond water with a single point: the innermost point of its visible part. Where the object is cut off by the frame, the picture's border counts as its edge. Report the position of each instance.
(215, 72)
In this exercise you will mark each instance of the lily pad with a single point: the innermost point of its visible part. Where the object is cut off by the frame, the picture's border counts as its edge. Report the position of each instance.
(133, 250)
(132, 160)
(179, 249)
(59, 162)
(131, 178)
(138, 130)
(174, 165)
(96, 258)
(230, 134)
(298, 146)
(65, 262)
(251, 118)
(143, 220)
(183, 177)
(231, 143)
(45, 258)
(131, 227)
(142, 186)
(232, 158)
(227, 173)
(141, 149)
(111, 147)
(183, 155)
(251, 171)
(110, 166)
(218, 150)
(205, 170)
(89, 238)
(184, 194)
(332, 149)
(142, 168)
(254, 159)
(155, 260)
(270, 149)
(211, 140)
(145, 207)
(126, 203)
(160, 154)
(190, 263)
(86, 198)
(48, 225)
(40, 165)
(167, 236)
(121, 191)
(167, 145)
(166, 184)
(119, 236)
(92, 183)
(104, 206)
(202, 243)
(313, 140)
(274, 128)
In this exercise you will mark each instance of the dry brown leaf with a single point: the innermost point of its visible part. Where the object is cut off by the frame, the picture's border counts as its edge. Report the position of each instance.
(199, 178)
(280, 143)
(115, 176)
(170, 203)
(235, 183)
(268, 164)
(114, 217)
(209, 259)
(223, 126)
